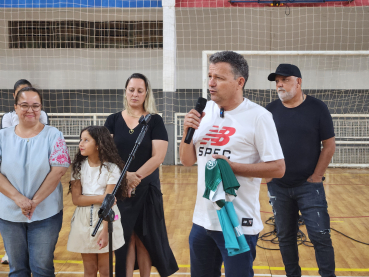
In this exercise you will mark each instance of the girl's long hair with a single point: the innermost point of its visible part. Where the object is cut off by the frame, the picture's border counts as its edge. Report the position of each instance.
(108, 153)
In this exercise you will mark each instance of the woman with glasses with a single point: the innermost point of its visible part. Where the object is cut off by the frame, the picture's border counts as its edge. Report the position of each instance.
(33, 158)
(11, 118)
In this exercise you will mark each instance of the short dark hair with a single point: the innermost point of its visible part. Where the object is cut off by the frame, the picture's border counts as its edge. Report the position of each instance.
(237, 62)
(26, 89)
(21, 82)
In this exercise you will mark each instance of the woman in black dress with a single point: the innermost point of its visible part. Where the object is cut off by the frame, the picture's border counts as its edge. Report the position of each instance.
(142, 215)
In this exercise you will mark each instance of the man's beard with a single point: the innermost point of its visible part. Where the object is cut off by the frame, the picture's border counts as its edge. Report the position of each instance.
(284, 95)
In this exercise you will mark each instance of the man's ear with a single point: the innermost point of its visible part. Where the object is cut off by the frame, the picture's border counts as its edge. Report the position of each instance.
(241, 81)
(299, 81)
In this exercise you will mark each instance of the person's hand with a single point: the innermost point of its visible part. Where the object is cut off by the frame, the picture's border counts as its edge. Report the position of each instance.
(103, 239)
(23, 202)
(129, 192)
(216, 156)
(315, 178)
(133, 179)
(192, 120)
(34, 205)
(28, 211)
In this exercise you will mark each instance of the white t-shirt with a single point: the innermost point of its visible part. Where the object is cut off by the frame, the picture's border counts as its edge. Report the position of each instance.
(11, 119)
(246, 135)
(94, 183)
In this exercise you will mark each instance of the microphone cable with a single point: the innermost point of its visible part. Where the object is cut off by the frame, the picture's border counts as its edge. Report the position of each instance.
(349, 237)
(301, 237)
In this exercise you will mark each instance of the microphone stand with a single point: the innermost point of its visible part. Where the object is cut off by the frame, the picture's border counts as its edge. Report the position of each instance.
(105, 211)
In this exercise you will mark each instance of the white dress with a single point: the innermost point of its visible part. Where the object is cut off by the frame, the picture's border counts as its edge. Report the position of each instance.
(84, 219)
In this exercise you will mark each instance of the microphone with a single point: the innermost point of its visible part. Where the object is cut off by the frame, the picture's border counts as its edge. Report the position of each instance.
(200, 106)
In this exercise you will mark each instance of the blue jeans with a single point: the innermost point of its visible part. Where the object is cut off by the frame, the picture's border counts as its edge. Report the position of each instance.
(207, 252)
(310, 200)
(30, 246)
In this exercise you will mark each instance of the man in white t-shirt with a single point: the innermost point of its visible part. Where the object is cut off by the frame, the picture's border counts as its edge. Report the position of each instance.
(245, 136)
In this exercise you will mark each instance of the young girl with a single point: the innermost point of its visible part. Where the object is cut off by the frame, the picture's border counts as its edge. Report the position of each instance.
(95, 171)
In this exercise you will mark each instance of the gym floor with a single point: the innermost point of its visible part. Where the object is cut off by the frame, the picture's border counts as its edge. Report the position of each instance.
(347, 192)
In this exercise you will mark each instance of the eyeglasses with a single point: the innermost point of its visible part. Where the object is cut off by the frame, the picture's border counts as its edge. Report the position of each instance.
(34, 107)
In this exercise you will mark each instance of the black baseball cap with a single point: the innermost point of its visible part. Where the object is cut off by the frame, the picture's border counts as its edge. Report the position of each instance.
(285, 69)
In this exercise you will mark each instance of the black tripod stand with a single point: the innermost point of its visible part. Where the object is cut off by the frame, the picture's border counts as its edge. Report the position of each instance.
(105, 211)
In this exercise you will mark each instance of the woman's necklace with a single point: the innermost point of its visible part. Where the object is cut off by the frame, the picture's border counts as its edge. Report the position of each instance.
(135, 116)
(131, 131)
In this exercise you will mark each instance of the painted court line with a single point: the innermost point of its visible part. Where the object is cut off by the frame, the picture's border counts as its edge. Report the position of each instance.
(255, 267)
(182, 273)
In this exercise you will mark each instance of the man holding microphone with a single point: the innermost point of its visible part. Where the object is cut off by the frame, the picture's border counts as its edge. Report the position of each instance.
(244, 134)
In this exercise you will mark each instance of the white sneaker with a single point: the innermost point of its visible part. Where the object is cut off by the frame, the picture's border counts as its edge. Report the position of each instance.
(4, 260)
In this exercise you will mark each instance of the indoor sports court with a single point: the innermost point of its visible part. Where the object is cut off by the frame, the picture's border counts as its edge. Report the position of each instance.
(78, 54)
(346, 191)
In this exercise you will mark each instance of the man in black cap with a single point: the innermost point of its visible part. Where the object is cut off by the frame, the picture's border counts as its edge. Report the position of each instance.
(303, 124)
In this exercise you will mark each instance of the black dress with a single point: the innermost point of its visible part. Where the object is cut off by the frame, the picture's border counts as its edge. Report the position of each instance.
(144, 213)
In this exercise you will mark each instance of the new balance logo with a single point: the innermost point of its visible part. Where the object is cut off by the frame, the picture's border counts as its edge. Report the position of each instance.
(247, 222)
(218, 137)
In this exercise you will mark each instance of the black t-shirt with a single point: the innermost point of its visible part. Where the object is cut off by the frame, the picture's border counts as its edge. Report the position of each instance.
(301, 130)
(126, 141)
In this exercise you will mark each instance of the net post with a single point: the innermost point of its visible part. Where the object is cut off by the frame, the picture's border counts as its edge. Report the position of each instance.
(169, 75)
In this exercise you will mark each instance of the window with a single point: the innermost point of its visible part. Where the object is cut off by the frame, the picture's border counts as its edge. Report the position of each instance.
(84, 34)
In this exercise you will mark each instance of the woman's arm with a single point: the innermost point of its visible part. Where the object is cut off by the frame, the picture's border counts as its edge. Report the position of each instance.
(159, 150)
(47, 187)
(133, 179)
(11, 192)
